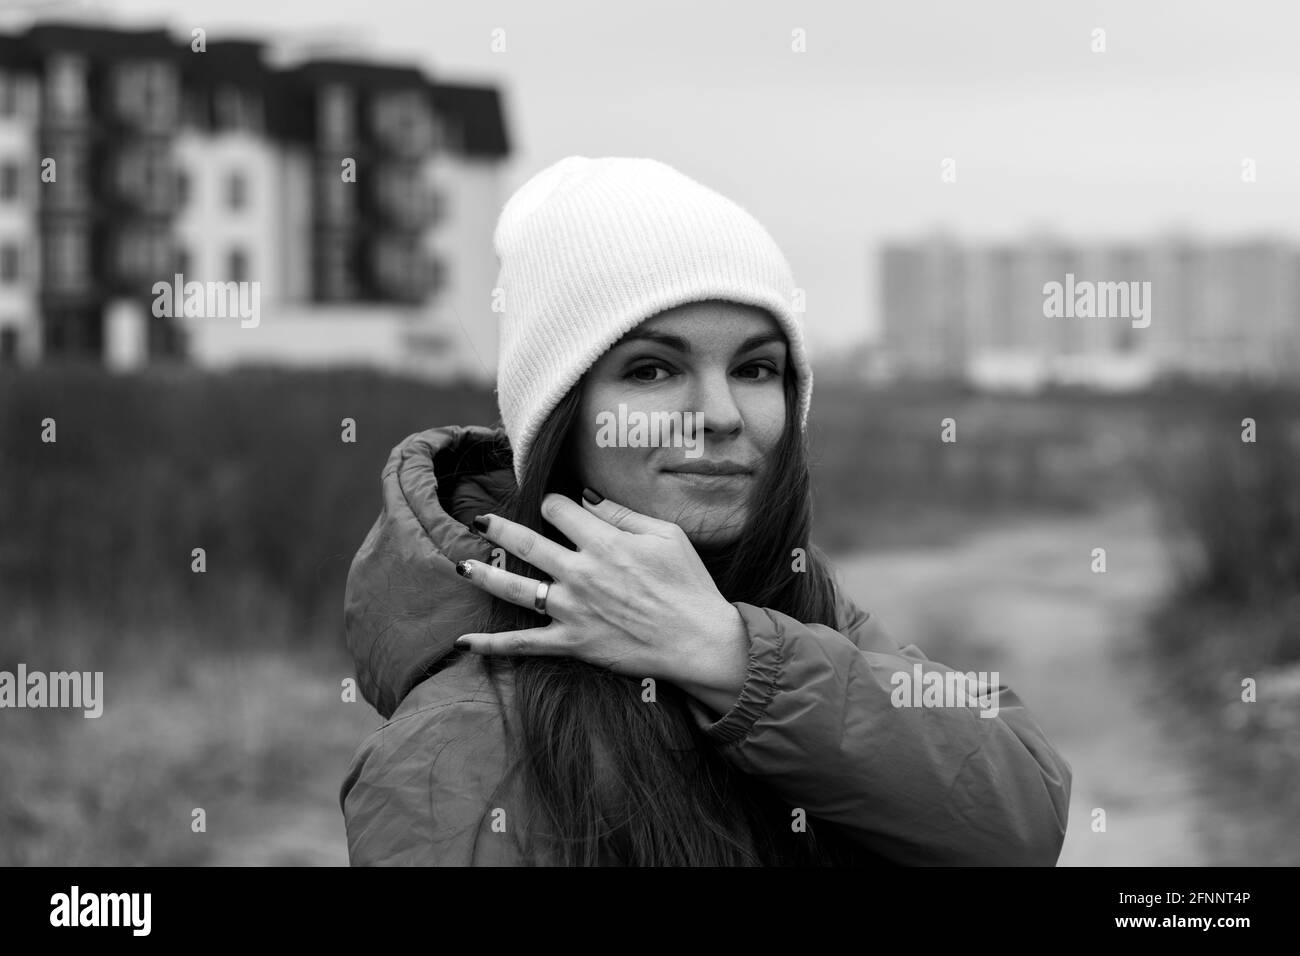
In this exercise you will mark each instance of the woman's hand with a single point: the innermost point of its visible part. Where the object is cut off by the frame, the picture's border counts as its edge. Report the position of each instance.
(635, 597)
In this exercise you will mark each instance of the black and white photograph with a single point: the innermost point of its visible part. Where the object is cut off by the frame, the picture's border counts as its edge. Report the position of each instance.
(692, 435)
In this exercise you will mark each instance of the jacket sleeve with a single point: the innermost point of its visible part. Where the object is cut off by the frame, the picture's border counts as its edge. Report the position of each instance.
(917, 785)
(416, 790)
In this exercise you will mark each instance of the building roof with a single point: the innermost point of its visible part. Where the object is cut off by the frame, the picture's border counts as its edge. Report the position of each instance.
(17, 54)
(370, 77)
(100, 42)
(476, 111)
(239, 62)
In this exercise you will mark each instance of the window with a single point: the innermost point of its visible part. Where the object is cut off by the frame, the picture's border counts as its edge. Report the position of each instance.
(237, 268)
(162, 251)
(235, 108)
(336, 116)
(8, 345)
(403, 122)
(8, 94)
(8, 181)
(128, 253)
(67, 85)
(68, 258)
(236, 191)
(147, 94)
(142, 252)
(143, 174)
(72, 188)
(9, 264)
(401, 192)
(74, 332)
(400, 268)
(196, 112)
(159, 173)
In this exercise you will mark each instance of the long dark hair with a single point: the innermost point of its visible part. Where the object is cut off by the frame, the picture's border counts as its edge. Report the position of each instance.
(608, 778)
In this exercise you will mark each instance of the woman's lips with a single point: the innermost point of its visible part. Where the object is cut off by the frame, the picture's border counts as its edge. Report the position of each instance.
(704, 482)
(711, 468)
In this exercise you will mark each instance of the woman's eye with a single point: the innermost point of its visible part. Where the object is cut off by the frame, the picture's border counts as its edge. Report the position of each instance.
(647, 373)
(761, 371)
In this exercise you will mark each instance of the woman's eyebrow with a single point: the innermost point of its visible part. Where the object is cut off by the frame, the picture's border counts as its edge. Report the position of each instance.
(663, 338)
(762, 338)
(683, 346)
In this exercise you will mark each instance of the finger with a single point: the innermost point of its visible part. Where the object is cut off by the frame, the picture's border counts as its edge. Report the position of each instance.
(620, 516)
(526, 544)
(512, 587)
(546, 641)
(576, 523)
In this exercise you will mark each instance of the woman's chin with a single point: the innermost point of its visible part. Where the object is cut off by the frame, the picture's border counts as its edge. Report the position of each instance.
(712, 536)
(708, 524)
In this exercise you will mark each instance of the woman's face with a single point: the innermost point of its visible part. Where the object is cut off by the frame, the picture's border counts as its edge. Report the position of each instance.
(720, 366)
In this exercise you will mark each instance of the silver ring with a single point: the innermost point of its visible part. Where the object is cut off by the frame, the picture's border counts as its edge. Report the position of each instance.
(539, 602)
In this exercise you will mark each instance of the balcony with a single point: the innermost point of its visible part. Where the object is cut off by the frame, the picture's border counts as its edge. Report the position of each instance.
(401, 198)
(66, 95)
(144, 177)
(145, 95)
(402, 123)
(399, 269)
(138, 255)
(67, 261)
(69, 191)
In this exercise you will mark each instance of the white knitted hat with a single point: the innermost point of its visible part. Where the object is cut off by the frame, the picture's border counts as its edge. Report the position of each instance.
(590, 248)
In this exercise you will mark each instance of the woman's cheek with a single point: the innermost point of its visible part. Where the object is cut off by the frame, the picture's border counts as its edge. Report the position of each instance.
(592, 459)
(767, 418)
(623, 474)
(600, 467)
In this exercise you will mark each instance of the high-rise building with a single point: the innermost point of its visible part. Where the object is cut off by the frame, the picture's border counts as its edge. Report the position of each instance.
(978, 311)
(357, 198)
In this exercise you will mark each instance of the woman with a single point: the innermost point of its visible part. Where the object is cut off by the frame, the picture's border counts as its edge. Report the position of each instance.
(599, 645)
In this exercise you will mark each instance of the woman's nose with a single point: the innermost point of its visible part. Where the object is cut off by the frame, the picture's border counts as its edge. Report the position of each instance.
(717, 404)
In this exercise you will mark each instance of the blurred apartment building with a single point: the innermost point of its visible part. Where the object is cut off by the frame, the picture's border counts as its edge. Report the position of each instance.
(975, 312)
(223, 167)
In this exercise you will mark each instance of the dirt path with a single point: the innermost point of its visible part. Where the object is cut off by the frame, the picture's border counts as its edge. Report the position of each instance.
(1023, 600)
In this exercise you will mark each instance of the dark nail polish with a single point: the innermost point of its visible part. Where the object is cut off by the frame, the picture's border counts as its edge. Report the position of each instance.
(591, 497)
(480, 524)
(460, 644)
(463, 568)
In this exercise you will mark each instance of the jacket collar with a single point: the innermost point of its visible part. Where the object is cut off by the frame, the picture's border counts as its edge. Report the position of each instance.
(405, 604)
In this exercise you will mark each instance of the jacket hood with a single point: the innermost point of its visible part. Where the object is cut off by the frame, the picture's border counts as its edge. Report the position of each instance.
(405, 604)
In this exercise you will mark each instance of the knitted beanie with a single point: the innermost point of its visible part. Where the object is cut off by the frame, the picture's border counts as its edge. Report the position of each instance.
(590, 248)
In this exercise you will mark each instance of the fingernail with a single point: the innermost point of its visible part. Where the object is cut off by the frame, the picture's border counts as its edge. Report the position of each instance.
(480, 524)
(460, 644)
(463, 568)
(591, 497)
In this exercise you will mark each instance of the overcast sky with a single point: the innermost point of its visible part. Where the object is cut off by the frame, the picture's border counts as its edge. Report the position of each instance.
(838, 148)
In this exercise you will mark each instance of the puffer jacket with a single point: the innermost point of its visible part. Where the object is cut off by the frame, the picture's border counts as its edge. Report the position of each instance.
(814, 720)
